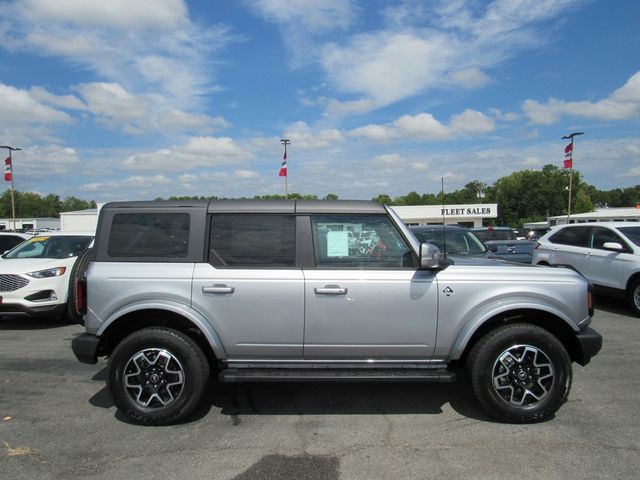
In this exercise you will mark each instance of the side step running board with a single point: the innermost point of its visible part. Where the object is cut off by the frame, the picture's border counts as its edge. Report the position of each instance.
(336, 375)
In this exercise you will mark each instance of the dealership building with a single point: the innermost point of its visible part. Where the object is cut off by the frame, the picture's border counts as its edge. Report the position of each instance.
(472, 215)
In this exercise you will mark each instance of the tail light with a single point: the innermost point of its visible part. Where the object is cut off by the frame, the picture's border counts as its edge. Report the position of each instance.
(81, 296)
(590, 299)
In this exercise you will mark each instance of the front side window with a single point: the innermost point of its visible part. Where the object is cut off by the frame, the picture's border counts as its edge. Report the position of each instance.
(574, 236)
(359, 241)
(252, 240)
(150, 235)
(604, 235)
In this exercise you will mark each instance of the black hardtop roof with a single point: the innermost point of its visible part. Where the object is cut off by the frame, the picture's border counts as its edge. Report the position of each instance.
(258, 206)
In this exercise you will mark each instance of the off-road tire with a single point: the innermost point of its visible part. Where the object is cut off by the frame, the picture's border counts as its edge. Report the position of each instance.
(127, 367)
(499, 386)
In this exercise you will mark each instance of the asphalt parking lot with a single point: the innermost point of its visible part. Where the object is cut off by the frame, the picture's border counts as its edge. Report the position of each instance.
(57, 421)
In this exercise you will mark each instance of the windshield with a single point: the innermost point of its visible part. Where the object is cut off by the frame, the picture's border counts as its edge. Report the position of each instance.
(459, 242)
(50, 247)
(632, 233)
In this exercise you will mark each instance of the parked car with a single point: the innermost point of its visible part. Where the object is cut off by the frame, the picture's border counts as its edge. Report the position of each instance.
(35, 275)
(272, 291)
(459, 240)
(503, 242)
(8, 240)
(607, 254)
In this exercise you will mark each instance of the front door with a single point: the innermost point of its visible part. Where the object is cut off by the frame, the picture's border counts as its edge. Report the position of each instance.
(365, 298)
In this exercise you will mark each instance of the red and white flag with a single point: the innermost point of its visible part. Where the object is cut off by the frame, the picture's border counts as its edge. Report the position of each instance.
(568, 163)
(7, 169)
(283, 167)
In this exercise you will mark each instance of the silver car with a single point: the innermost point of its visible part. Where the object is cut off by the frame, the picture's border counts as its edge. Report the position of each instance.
(316, 291)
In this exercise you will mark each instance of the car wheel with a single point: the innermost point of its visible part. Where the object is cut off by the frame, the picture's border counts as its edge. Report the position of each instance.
(157, 376)
(520, 373)
(634, 296)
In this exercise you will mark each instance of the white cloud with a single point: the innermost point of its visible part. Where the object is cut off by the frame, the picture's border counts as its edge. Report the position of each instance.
(20, 107)
(304, 138)
(41, 161)
(121, 14)
(449, 46)
(424, 126)
(471, 77)
(70, 102)
(311, 15)
(303, 21)
(145, 45)
(623, 103)
(112, 103)
(207, 152)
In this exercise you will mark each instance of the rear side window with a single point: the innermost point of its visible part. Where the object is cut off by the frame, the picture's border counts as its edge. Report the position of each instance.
(575, 236)
(252, 240)
(153, 234)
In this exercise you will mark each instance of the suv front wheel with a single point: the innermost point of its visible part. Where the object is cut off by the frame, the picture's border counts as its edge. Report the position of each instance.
(521, 373)
(157, 376)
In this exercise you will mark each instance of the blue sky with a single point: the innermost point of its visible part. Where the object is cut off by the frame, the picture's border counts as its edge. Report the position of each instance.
(117, 100)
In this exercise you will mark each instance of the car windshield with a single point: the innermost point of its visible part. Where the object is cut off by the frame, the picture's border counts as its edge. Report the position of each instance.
(486, 235)
(632, 233)
(60, 246)
(459, 242)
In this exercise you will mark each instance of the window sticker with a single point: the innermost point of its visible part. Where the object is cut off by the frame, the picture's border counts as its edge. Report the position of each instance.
(337, 244)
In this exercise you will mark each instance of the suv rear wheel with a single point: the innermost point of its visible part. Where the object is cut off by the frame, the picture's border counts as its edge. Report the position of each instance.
(520, 373)
(157, 376)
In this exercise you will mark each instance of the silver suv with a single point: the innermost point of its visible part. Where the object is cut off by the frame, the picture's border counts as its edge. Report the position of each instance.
(314, 291)
(607, 254)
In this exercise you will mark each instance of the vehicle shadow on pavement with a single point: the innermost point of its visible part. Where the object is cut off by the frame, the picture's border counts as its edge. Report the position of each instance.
(32, 323)
(350, 398)
(613, 305)
(237, 400)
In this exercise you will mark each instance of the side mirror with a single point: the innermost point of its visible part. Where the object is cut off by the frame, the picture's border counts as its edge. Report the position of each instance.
(615, 246)
(493, 248)
(429, 256)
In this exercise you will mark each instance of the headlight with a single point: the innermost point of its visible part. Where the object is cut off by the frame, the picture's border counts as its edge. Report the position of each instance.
(48, 273)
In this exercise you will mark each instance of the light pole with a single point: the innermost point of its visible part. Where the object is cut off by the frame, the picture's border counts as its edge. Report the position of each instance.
(284, 171)
(569, 153)
(10, 164)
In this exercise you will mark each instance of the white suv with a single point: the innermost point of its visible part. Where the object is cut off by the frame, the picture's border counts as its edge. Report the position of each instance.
(607, 254)
(35, 275)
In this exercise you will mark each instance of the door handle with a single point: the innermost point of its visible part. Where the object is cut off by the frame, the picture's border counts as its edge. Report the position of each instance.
(218, 288)
(330, 290)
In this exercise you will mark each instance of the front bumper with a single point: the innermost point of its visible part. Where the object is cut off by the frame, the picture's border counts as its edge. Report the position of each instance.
(85, 348)
(590, 343)
(21, 310)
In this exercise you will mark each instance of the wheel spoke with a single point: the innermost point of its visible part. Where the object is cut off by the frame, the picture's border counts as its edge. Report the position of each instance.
(523, 375)
(153, 378)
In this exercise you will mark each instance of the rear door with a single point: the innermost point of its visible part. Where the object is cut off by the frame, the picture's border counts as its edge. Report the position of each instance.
(250, 289)
(365, 297)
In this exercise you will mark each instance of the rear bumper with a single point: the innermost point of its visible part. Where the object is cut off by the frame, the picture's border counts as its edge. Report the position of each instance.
(85, 348)
(590, 344)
